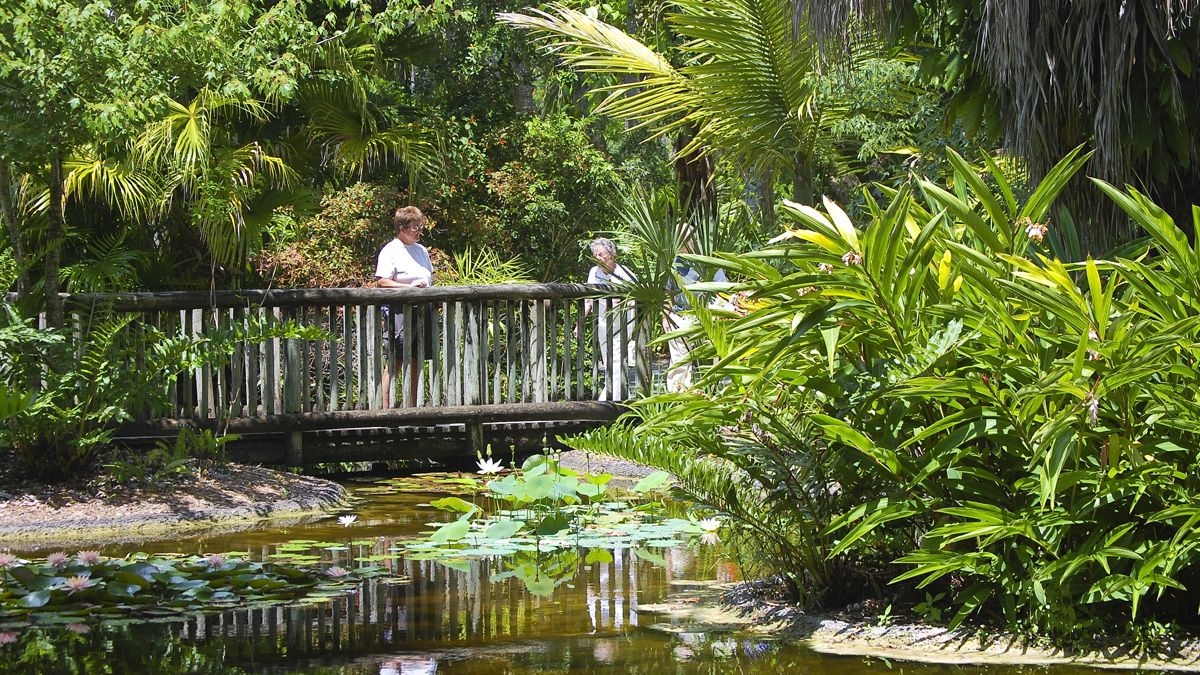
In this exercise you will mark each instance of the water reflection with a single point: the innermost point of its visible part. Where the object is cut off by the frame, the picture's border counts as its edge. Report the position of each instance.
(442, 618)
(476, 618)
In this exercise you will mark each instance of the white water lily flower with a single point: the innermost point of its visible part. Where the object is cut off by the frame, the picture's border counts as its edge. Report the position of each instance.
(490, 466)
(346, 521)
(710, 527)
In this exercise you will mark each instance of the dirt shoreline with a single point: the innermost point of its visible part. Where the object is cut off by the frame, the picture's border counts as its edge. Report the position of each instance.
(231, 498)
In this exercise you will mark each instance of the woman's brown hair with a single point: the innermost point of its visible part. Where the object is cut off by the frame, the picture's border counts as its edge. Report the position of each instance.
(407, 216)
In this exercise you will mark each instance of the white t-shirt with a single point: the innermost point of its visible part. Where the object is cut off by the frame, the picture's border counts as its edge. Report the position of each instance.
(403, 263)
(620, 274)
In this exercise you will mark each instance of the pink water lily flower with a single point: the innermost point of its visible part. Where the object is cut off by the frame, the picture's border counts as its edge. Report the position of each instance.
(337, 572)
(57, 559)
(88, 557)
(215, 560)
(7, 561)
(7, 637)
(78, 583)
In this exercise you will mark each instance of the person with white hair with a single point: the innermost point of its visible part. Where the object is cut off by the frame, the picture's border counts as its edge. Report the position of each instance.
(608, 271)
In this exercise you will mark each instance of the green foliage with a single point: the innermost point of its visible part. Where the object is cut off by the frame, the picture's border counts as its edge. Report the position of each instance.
(533, 190)
(471, 268)
(73, 389)
(935, 388)
(547, 508)
(80, 389)
(187, 128)
(192, 453)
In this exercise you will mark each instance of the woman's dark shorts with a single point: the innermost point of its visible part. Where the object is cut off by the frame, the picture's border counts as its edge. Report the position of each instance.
(429, 330)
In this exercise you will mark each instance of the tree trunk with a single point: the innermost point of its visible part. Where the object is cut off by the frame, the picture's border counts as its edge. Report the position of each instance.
(523, 96)
(697, 194)
(802, 179)
(54, 237)
(760, 197)
(9, 212)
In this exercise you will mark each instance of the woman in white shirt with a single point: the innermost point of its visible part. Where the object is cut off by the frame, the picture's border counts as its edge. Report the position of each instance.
(404, 263)
(608, 271)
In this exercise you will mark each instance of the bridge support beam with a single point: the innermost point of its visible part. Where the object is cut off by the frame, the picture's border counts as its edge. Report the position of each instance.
(475, 440)
(293, 448)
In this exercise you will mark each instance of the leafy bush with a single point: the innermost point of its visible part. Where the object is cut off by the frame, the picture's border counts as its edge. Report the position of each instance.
(338, 247)
(79, 389)
(481, 267)
(936, 389)
(62, 394)
(534, 190)
(192, 453)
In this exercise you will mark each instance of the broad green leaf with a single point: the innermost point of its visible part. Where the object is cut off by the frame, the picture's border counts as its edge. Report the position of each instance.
(503, 529)
(454, 504)
(451, 531)
(651, 481)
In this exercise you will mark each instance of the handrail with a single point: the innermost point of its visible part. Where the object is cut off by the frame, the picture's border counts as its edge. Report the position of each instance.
(499, 345)
(308, 297)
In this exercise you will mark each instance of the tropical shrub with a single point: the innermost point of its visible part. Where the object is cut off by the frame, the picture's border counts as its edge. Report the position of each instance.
(337, 247)
(533, 190)
(936, 390)
(78, 389)
(63, 394)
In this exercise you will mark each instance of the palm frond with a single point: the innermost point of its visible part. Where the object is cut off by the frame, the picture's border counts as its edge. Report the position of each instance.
(116, 179)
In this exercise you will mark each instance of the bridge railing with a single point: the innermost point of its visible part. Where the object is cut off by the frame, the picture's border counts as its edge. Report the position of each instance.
(503, 344)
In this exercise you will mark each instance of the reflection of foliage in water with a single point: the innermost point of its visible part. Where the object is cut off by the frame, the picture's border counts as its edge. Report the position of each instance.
(542, 571)
(113, 650)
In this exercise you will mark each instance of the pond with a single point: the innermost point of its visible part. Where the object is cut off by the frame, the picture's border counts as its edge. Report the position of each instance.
(443, 619)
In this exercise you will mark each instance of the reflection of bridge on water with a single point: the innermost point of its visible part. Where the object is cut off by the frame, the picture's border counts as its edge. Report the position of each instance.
(505, 364)
(444, 608)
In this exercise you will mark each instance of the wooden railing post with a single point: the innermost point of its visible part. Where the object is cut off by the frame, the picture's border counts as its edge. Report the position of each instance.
(537, 347)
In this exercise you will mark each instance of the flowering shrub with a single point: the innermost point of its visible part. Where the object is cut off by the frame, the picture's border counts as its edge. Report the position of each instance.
(336, 248)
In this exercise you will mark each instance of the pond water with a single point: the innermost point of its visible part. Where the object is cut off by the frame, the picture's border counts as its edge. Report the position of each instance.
(447, 620)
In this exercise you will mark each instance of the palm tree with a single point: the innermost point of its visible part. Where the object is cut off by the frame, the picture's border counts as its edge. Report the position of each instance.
(1050, 75)
(750, 85)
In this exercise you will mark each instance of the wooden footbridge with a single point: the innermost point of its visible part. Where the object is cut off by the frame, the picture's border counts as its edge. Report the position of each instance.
(505, 365)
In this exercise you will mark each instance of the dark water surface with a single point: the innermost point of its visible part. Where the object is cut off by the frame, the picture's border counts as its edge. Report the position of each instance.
(445, 620)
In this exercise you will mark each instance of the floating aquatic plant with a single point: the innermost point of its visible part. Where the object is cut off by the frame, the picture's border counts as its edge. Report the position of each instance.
(545, 507)
(63, 590)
